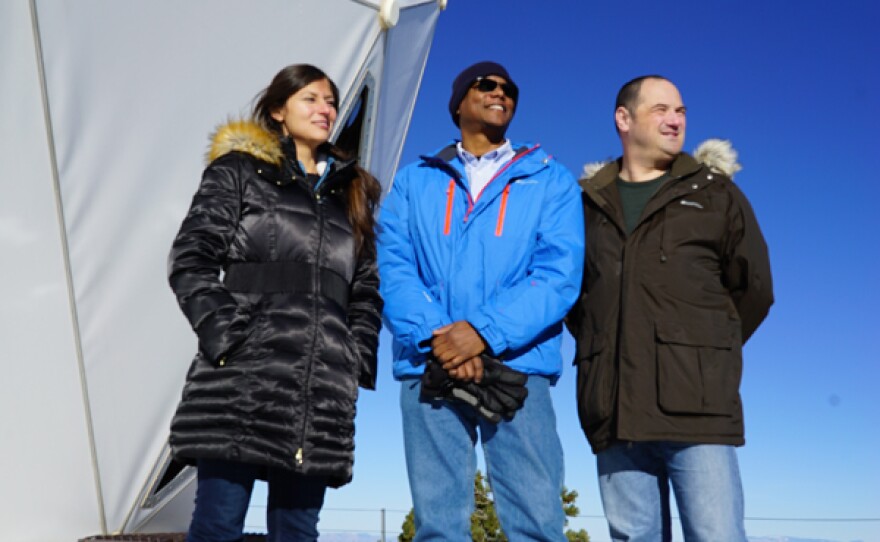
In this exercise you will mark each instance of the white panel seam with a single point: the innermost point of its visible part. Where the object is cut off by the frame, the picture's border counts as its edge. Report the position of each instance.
(56, 185)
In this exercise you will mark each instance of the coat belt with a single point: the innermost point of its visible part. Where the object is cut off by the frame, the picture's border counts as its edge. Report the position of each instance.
(285, 277)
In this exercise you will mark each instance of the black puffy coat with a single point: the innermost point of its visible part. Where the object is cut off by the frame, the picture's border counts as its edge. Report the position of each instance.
(287, 317)
(666, 309)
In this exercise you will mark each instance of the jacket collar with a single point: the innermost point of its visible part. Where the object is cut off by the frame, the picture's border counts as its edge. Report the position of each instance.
(596, 186)
(332, 165)
(601, 189)
(684, 165)
(528, 158)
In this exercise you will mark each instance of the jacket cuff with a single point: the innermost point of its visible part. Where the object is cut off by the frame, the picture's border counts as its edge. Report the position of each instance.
(425, 332)
(367, 376)
(490, 333)
(422, 335)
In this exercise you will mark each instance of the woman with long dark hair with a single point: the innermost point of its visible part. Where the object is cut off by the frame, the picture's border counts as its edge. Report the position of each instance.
(275, 268)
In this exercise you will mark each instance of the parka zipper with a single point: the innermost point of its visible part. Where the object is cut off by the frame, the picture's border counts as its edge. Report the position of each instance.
(618, 339)
(316, 289)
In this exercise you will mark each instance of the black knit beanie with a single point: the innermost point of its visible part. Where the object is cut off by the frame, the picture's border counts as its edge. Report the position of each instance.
(467, 77)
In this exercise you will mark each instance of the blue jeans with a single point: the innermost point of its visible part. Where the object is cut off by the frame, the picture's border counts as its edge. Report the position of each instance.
(634, 479)
(224, 491)
(523, 463)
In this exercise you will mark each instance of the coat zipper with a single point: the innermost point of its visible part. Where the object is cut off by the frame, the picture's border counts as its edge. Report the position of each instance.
(619, 339)
(316, 285)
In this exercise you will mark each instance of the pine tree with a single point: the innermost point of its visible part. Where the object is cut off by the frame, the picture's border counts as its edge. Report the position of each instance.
(571, 510)
(485, 526)
(408, 529)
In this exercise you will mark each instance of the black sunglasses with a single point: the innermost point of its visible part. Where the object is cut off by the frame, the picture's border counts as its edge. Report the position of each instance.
(484, 84)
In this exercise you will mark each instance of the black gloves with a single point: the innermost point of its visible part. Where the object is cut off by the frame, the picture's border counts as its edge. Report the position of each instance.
(499, 395)
(505, 388)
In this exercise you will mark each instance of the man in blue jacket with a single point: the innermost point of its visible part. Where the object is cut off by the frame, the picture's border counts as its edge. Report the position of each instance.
(481, 253)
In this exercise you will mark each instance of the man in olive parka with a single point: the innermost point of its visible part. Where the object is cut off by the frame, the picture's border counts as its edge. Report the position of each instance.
(676, 279)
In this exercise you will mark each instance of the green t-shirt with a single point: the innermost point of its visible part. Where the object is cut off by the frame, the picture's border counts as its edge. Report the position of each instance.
(634, 196)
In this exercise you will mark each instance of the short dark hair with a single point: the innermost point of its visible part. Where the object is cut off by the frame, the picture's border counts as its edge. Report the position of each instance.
(285, 84)
(628, 96)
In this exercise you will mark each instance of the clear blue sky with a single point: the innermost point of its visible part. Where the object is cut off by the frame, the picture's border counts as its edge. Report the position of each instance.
(794, 86)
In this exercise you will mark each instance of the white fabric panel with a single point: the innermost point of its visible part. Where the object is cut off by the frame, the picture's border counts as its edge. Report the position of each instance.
(172, 516)
(46, 483)
(406, 53)
(135, 87)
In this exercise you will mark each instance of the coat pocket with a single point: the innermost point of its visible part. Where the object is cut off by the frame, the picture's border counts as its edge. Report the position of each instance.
(699, 367)
(596, 387)
(250, 345)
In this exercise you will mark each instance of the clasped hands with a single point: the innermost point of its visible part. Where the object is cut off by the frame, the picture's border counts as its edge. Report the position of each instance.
(461, 370)
(457, 347)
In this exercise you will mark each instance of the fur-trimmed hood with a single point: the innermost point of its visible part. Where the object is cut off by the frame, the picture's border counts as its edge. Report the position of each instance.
(245, 136)
(717, 154)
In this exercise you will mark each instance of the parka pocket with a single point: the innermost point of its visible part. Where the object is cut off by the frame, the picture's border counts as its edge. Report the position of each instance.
(596, 387)
(251, 346)
(699, 367)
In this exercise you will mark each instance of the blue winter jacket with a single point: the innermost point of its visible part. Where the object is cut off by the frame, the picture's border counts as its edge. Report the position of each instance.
(509, 262)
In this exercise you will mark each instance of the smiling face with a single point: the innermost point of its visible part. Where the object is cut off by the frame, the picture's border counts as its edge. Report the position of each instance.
(654, 132)
(308, 115)
(486, 110)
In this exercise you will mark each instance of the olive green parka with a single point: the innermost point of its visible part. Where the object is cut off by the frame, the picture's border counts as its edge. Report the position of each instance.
(664, 311)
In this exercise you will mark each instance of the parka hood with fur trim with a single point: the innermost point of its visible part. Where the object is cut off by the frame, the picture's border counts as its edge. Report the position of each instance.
(250, 137)
(716, 154)
(245, 136)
